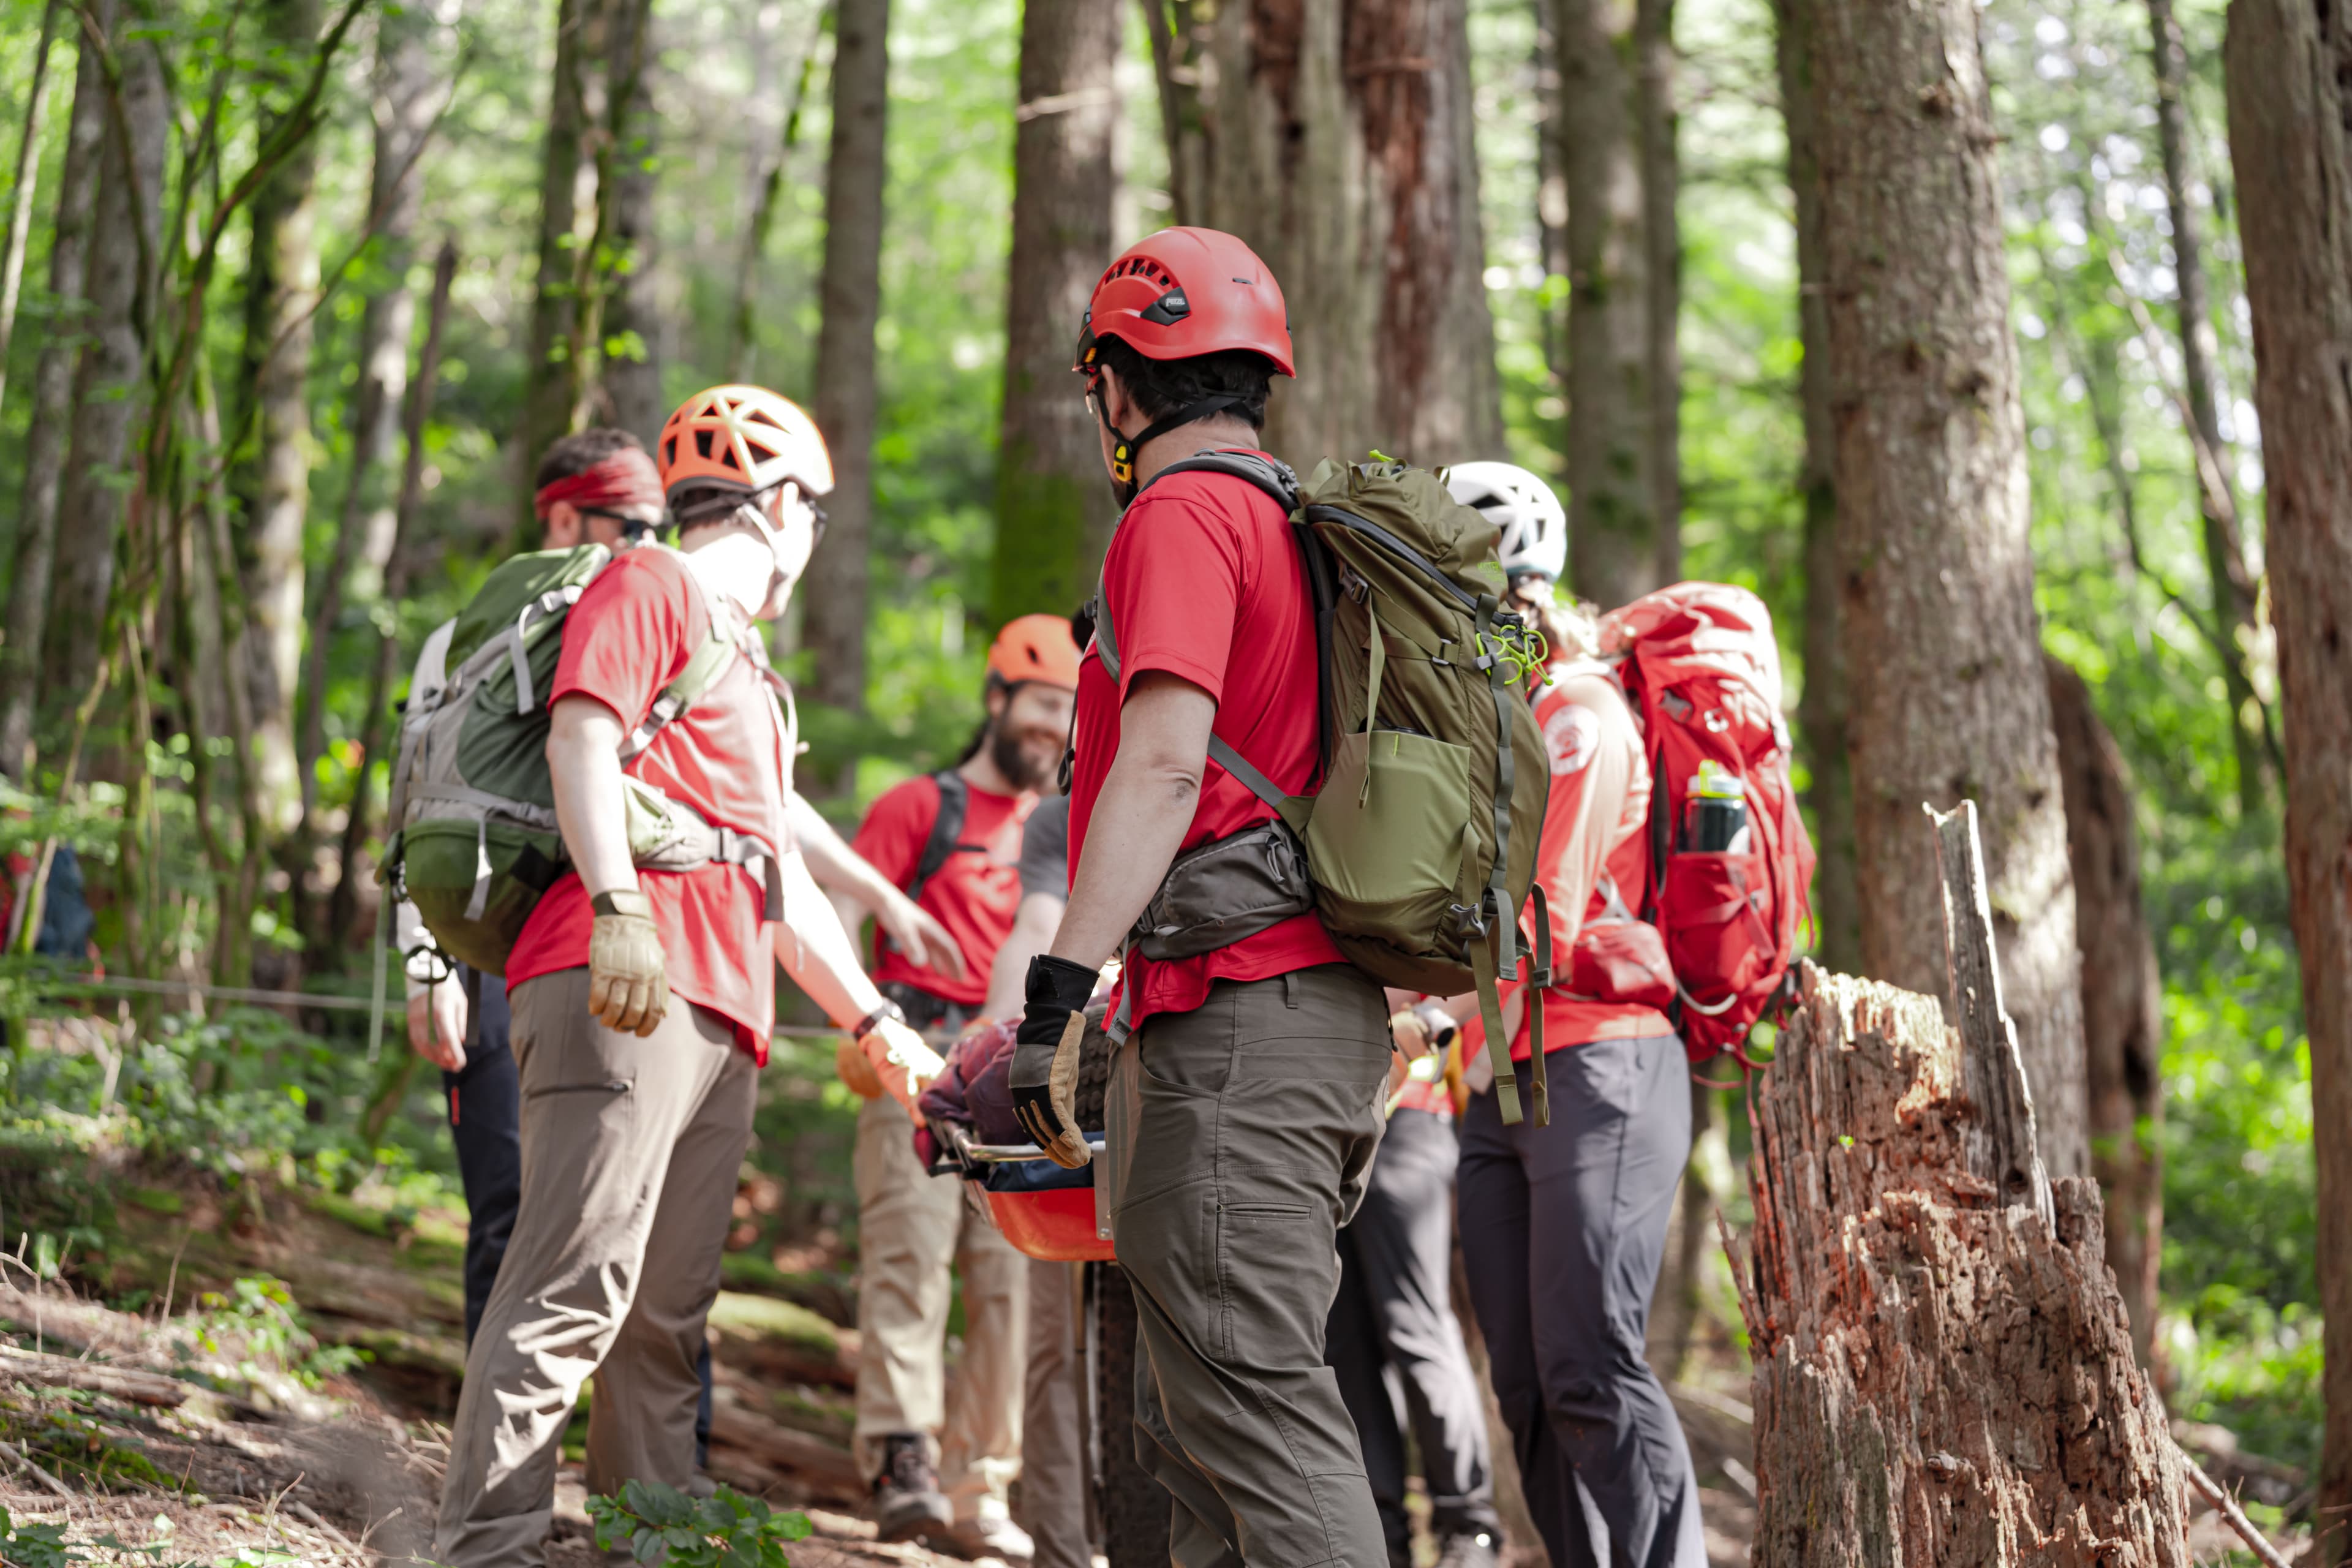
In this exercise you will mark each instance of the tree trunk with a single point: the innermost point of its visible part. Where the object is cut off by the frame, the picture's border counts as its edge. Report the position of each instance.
(1053, 506)
(1336, 140)
(741, 339)
(1822, 708)
(51, 432)
(1552, 211)
(2233, 589)
(549, 376)
(109, 388)
(403, 107)
(273, 487)
(2123, 1001)
(1612, 407)
(1653, 48)
(1943, 1372)
(1948, 698)
(834, 599)
(631, 371)
(2288, 64)
(20, 193)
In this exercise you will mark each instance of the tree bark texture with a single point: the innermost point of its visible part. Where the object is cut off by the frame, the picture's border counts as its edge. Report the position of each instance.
(1653, 52)
(2234, 588)
(2123, 1013)
(834, 597)
(1821, 706)
(405, 96)
(1053, 506)
(631, 371)
(51, 432)
(2288, 64)
(1612, 405)
(108, 386)
(1336, 140)
(20, 192)
(1940, 1378)
(1947, 695)
(549, 376)
(273, 487)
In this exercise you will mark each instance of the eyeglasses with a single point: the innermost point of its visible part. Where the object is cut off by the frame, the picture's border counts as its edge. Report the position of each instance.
(818, 521)
(632, 525)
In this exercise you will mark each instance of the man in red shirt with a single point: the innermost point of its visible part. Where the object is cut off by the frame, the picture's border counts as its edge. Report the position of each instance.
(952, 841)
(642, 1001)
(1244, 1106)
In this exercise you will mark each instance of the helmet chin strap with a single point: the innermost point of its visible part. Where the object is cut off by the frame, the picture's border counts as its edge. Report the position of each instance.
(1124, 446)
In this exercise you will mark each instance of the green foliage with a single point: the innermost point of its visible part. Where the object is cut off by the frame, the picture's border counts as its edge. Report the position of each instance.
(726, 1529)
(256, 1320)
(37, 1546)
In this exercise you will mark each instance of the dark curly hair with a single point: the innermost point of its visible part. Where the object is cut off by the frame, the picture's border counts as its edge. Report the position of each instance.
(1165, 386)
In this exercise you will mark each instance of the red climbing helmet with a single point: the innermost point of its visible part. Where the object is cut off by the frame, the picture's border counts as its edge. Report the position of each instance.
(1184, 292)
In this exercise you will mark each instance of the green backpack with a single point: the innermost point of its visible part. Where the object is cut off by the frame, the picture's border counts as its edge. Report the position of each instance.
(1421, 844)
(473, 841)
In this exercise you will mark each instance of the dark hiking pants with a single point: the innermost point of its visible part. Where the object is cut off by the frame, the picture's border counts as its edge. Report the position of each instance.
(1239, 1135)
(1393, 1331)
(485, 1099)
(1562, 1231)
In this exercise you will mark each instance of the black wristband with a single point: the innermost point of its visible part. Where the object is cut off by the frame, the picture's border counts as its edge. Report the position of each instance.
(1060, 981)
(872, 1020)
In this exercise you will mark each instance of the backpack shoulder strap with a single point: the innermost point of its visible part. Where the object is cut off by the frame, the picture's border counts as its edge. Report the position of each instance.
(730, 627)
(947, 828)
(1272, 475)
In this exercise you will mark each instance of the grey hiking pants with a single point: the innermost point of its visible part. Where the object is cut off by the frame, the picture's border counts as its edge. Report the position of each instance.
(1393, 1333)
(1239, 1135)
(1562, 1231)
(630, 1153)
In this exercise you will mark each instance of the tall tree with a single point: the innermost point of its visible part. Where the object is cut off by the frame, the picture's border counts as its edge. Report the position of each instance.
(403, 98)
(271, 481)
(1052, 505)
(2123, 998)
(1336, 138)
(625, 193)
(547, 398)
(1948, 697)
(2225, 562)
(2288, 66)
(1612, 447)
(108, 386)
(1822, 708)
(851, 302)
(20, 192)
(1661, 258)
(51, 432)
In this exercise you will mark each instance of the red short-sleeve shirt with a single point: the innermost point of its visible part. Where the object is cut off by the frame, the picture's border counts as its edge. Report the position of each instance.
(975, 892)
(630, 634)
(1206, 584)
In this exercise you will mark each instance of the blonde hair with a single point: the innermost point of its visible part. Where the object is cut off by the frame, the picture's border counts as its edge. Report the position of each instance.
(1566, 624)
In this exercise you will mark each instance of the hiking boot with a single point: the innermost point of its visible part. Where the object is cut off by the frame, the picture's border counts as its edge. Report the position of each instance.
(1471, 1549)
(973, 1538)
(907, 1503)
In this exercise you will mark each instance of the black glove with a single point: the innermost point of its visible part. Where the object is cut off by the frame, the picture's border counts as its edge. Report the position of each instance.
(1045, 1057)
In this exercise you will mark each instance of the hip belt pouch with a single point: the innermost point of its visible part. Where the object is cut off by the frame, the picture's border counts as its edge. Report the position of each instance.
(1223, 891)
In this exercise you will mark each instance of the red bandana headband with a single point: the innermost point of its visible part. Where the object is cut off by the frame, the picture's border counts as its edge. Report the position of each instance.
(627, 477)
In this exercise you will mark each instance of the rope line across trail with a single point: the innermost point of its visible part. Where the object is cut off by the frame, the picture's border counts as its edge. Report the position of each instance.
(67, 986)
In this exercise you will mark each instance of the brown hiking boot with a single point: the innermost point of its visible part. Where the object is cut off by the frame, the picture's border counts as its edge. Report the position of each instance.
(908, 1502)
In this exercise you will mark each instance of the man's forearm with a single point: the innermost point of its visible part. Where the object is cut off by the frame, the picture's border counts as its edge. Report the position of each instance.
(583, 761)
(833, 865)
(1140, 820)
(818, 953)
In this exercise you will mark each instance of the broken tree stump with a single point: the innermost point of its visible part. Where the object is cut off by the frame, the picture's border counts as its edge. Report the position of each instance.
(1944, 1374)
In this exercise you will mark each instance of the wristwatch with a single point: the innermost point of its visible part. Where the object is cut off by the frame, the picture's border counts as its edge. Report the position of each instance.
(873, 1021)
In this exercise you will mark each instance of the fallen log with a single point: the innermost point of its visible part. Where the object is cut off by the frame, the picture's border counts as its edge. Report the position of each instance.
(825, 1470)
(122, 1383)
(1943, 1371)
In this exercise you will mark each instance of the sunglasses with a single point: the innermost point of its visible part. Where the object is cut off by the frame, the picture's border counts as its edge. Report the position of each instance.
(632, 526)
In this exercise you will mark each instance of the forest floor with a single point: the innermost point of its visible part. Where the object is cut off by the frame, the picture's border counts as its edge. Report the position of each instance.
(242, 1430)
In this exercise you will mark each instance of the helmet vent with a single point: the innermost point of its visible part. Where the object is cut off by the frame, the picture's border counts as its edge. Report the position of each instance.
(762, 416)
(727, 460)
(702, 443)
(669, 452)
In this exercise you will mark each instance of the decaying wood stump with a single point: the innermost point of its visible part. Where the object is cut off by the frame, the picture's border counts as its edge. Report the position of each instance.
(1944, 1374)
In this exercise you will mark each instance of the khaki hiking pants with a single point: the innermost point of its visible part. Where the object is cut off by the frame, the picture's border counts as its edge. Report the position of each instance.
(630, 1154)
(914, 1231)
(1240, 1138)
(1053, 1475)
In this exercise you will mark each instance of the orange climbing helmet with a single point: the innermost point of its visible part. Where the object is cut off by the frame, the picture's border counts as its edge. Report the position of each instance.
(742, 441)
(1184, 292)
(1035, 648)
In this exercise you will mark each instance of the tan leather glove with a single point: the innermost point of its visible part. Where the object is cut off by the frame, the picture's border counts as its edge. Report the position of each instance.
(628, 979)
(850, 1065)
(900, 1059)
(1045, 1059)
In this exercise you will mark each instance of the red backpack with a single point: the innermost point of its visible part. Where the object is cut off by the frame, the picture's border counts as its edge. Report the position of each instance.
(1730, 862)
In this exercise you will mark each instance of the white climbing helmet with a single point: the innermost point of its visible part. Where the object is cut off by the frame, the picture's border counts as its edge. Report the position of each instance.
(1535, 528)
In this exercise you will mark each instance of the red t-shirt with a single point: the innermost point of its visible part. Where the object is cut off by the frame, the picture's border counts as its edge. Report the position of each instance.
(1206, 584)
(974, 893)
(728, 757)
